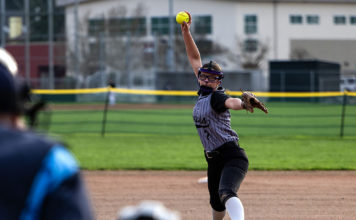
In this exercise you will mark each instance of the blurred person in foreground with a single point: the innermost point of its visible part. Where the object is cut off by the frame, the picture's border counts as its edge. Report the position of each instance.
(40, 179)
(147, 210)
(227, 161)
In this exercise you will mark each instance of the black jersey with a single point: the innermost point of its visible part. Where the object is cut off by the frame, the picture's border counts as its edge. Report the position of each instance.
(212, 120)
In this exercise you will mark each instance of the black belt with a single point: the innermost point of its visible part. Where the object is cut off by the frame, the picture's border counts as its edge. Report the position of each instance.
(216, 152)
(211, 154)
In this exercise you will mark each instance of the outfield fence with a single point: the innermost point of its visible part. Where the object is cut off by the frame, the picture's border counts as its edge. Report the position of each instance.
(134, 111)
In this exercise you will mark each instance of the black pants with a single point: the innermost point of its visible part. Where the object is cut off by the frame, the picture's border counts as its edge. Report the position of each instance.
(227, 167)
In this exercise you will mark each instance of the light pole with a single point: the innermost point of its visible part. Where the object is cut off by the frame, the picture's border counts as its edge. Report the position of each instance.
(27, 40)
(3, 18)
(50, 44)
(76, 42)
(171, 58)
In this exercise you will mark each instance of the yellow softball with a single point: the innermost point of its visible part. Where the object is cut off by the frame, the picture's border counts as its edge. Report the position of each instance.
(181, 17)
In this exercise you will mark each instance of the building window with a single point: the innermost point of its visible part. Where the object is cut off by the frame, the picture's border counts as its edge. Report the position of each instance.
(96, 26)
(312, 19)
(124, 26)
(295, 19)
(339, 19)
(250, 45)
(206, 47)
(250, 24)
(353, 19)
(203, 24)
(160, 25)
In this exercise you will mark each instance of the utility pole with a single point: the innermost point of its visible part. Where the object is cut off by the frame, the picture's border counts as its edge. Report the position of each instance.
(102, 59)
(128, 58)
(170, 55)
(76, 43)
(3, 18)
(27, 40)
(50, 44)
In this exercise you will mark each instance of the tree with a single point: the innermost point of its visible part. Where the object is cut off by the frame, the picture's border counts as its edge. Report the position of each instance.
(108, 43)
(252, 52)
(117, 42)
(299, 54)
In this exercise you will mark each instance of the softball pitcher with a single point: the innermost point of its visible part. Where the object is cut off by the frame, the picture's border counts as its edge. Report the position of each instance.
(227, 161)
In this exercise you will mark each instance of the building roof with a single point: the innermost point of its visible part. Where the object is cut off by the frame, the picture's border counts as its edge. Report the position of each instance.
(301, 1)
(70, 2)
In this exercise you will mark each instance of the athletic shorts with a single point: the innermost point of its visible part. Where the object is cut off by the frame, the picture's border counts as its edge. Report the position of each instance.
(227, 167)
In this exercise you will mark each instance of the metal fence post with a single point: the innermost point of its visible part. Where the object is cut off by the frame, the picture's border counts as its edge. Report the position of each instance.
(344, 103)
(103, 128)
(312, 84)
(283, 82)
(27, 41)
(50, 45)
(3, 18)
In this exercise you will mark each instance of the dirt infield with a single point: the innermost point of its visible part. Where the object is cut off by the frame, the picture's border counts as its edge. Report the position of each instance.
(265, 194)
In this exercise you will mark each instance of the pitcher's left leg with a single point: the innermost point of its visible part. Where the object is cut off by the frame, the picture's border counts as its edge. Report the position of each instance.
(232, 176)
(235, 209)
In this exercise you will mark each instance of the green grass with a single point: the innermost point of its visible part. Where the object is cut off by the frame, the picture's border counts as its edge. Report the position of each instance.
(293, 136)
(184, 152)
(301, 153)
(137, 151)
(283, 119)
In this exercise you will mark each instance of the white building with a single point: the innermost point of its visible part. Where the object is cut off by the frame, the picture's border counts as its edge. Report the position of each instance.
(290, 29)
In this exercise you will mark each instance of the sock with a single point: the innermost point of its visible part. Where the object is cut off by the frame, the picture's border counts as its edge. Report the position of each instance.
(218, 215)
(235, 209)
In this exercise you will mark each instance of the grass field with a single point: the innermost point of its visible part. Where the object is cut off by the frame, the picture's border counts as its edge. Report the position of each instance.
(293, 136)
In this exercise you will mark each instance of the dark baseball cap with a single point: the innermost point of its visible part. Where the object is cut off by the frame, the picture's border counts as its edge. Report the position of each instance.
(8, 94)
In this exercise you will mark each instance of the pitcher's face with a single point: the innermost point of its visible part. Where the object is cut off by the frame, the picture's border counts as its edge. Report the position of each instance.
(209, 80)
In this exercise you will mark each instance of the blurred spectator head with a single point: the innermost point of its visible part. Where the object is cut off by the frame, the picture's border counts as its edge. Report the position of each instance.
(147, 210)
